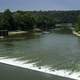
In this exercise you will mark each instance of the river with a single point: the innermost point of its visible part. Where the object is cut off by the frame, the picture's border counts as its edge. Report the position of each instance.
(54, 50)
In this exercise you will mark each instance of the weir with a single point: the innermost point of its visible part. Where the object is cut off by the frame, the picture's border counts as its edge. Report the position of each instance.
(44, 69)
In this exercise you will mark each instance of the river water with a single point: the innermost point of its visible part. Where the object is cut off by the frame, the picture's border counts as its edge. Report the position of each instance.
(57, 51)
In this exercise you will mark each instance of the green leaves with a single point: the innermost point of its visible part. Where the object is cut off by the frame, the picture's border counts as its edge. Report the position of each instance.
(77, 26)
(7, 21)
(24, 21)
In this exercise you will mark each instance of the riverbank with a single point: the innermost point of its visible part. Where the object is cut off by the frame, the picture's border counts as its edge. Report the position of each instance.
(17, 32)
(13, 33)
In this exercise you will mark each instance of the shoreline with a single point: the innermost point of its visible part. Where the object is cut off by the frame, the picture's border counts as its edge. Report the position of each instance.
(43, 69)
(24, 32)
(14, 33)
(17, 32)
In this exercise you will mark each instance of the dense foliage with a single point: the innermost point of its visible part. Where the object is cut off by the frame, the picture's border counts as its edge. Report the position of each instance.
(77, 28)
(28, 20)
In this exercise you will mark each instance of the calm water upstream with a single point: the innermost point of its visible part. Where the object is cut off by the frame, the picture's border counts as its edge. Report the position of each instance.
(58, 51)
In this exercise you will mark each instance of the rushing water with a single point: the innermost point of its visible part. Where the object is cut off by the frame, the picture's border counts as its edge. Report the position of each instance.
(58, 51)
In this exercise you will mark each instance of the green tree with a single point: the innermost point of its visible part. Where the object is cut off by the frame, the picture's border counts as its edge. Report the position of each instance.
(77, 27)
(7, 20)
(24, 21)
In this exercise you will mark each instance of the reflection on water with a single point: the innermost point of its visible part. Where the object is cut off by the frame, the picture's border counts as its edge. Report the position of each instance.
(59, 51)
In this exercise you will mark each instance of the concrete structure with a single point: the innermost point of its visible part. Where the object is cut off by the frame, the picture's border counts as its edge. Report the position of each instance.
(4, 33)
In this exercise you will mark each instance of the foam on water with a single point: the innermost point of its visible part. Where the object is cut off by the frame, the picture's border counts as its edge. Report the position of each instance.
(44, 69)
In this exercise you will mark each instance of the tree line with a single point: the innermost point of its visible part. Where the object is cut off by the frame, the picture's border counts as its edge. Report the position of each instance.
(28, 20)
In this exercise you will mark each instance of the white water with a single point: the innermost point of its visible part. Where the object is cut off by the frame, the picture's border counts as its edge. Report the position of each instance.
(44, 69)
